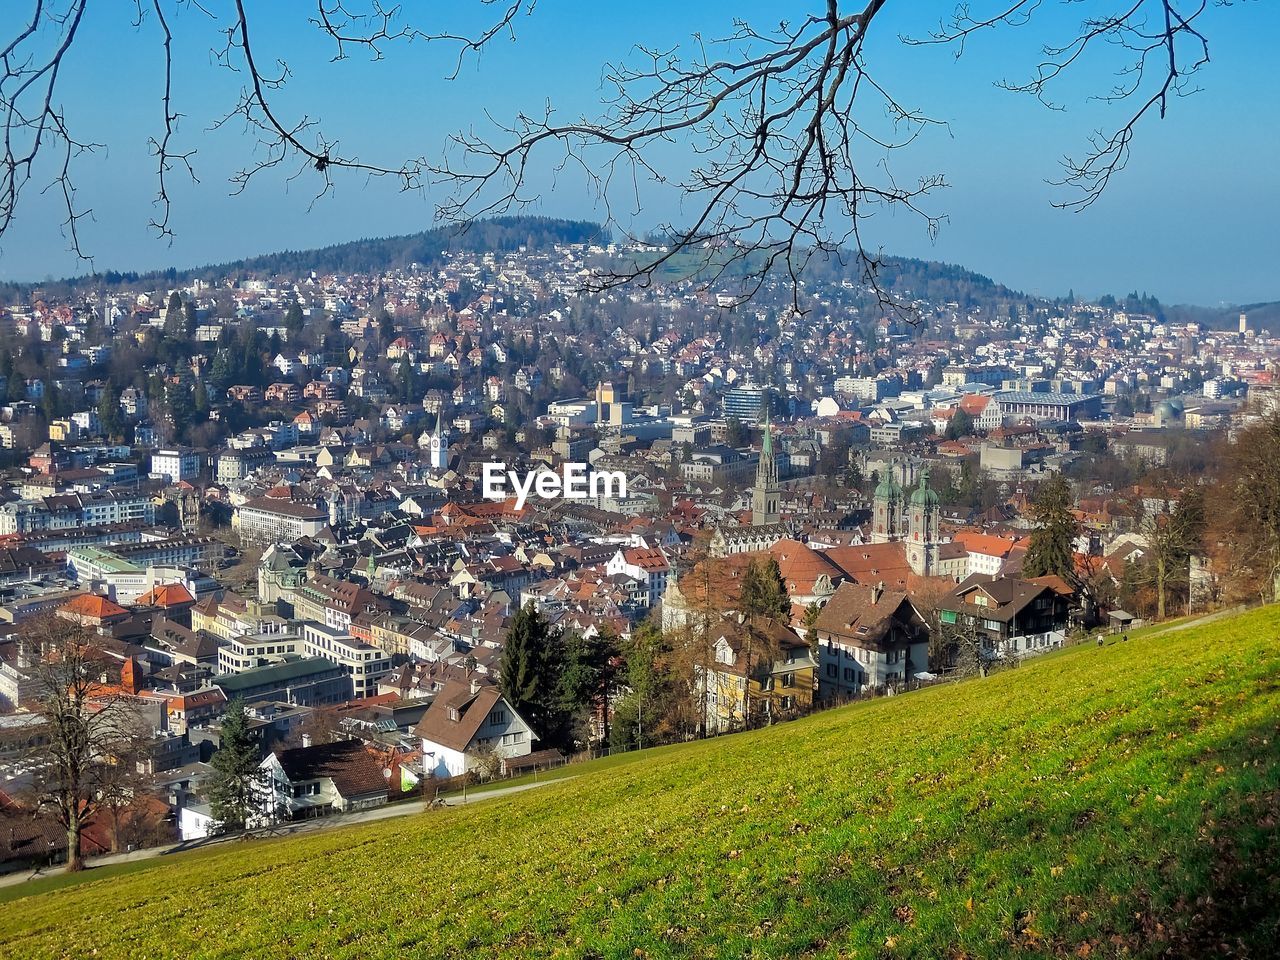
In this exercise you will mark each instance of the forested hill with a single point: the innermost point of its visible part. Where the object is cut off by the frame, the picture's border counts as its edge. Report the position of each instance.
(940, 282)
(911, 278)
(371, 255)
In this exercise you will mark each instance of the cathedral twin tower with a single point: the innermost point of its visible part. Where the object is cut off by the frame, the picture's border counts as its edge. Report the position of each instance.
(912, 518)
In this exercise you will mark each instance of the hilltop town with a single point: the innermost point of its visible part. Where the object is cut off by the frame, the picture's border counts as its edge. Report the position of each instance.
(257, 496)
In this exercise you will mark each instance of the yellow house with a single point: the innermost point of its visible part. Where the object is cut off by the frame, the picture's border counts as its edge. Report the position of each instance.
(757, 674)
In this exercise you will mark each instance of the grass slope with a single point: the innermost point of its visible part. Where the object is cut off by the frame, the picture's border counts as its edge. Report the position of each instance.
(1104, 802)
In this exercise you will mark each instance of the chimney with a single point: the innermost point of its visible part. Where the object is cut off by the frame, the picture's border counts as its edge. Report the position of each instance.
(877, 592)
(306, 740)
(475, 685)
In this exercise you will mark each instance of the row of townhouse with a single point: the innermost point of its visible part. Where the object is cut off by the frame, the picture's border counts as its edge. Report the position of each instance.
(76, 511)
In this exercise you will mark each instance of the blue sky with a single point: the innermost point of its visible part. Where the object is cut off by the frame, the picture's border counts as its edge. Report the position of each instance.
(1193, 218)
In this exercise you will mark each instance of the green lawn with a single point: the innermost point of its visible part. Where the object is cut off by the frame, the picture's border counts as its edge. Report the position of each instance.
(1109, 801)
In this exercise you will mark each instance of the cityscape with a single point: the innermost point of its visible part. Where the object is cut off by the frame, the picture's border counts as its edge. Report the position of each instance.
(549, 587)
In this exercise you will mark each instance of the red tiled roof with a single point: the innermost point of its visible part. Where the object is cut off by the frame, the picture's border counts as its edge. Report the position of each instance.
(166, 595)
(92, 605)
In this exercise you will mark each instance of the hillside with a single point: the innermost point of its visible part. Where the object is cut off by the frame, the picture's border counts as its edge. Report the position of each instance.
(374, 254)
(1100, 802)
(940, 282)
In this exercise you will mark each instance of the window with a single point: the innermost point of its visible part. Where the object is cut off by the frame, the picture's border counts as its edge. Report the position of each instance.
(497, 716)
(788, 680)
(850, 674)
(832, 670)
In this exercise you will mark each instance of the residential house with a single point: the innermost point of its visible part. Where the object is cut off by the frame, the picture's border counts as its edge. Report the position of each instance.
(319, 780)
(1008, 616)
(468, 724)
(758, 673)
(868, 637)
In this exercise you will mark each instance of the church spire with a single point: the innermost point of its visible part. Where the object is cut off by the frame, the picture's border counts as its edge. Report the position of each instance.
(764, 497)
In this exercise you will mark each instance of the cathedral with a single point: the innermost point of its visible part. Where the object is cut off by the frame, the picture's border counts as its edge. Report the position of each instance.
(909, 517)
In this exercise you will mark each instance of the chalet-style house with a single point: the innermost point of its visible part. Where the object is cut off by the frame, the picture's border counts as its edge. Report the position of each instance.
(1016, 618)
(468, 722)
(869, 637)
(318, 780)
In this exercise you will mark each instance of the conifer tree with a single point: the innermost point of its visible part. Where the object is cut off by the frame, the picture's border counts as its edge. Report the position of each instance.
(109, 411)
(763, 592)
(1052, 549)
(174, 320)
(235, 770)
(530, 674)
(587, 672)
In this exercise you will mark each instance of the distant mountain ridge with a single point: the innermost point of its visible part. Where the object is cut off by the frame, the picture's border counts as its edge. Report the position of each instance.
(914, 278)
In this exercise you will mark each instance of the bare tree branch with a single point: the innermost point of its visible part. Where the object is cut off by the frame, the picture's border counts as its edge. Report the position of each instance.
(1159, 30)
(784, 167)
(33, 121)
(777, 140)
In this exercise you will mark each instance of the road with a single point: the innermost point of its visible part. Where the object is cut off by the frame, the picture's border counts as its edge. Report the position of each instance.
(302, 826)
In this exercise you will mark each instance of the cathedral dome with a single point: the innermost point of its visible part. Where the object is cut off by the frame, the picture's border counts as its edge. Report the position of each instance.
(888, 487)
(923, 495)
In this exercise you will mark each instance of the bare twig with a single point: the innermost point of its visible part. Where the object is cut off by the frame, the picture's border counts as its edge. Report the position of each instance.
(785, 168)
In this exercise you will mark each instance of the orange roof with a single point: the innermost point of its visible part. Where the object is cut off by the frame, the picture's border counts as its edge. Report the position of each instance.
(870, 563)
(94, 606)
(801, 565)
(646, 558)
(166, 595)
(985, 544)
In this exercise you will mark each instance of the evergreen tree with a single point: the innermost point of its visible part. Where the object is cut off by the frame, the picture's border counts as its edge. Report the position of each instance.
(763, 592)
(406, 378)
(530, 674)
(638, 714)
(1052, 549)
(51, 402)
(735, 434)
(764, 601)
(961, 425)
(181, 407)
(235, 770)
(191, 318)
(587, 672)
(222, 373)
(811, 614)
(174, 321)
(109, 411)
(293, 320)
(200, 401)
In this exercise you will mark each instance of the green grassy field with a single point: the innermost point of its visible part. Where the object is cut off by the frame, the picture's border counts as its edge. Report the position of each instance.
(1106, 802)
